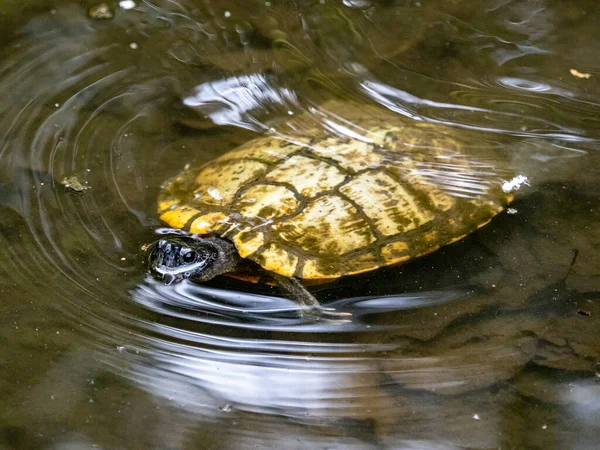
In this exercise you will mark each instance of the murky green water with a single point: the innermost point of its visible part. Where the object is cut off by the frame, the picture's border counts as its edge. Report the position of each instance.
(491, 343)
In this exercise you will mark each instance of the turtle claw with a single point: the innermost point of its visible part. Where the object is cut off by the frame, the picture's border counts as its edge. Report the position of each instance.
(324, 314)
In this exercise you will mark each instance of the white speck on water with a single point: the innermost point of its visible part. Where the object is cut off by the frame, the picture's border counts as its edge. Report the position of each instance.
(127, 4)
(227, 14)
(511, 211)
(476, 416)
(515, 184)
(544, 426)
(57, 104)
(267, 4)
(196, 196)
(123, 259)
(214, 193)
(360, 4)
(226, 407)
(578, 74)
(291, 113)
(120, 348)
(133, 46)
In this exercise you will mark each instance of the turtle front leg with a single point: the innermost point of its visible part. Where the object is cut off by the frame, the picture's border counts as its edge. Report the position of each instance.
(296, 290)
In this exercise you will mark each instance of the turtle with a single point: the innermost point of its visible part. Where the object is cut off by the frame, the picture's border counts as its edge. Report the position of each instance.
(325, 204)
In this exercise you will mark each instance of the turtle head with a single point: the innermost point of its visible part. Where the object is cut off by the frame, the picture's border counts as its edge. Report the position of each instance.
(175, 258)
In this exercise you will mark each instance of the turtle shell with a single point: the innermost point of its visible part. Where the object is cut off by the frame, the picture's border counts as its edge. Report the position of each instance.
(338, 205)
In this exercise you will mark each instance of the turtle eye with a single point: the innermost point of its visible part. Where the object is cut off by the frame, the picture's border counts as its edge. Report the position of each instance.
(189, 257)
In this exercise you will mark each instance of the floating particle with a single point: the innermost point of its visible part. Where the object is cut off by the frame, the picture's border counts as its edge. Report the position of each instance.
(515, 184)
(72, 183)
(103, 11)
(127, 4)
(578, 74)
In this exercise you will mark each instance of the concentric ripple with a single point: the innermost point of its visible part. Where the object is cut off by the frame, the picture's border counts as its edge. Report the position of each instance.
(120, 105)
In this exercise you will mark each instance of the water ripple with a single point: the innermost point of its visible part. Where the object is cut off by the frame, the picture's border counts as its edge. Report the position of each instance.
(234, 309)
(116, 104)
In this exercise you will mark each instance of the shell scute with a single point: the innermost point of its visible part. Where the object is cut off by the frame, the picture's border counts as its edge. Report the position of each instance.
(328, 225)
(267, 201)
(307, 175)
(278, 260)
(351, 155)
(390, 205)
(218, 183)
(248, 242)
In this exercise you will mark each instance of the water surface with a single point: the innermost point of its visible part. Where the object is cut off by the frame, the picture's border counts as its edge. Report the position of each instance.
(492, 342)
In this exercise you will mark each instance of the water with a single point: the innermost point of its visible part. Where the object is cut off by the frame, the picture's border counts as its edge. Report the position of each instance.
(489, 343)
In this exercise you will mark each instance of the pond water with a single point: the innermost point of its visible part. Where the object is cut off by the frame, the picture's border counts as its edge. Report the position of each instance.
(490, 343)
